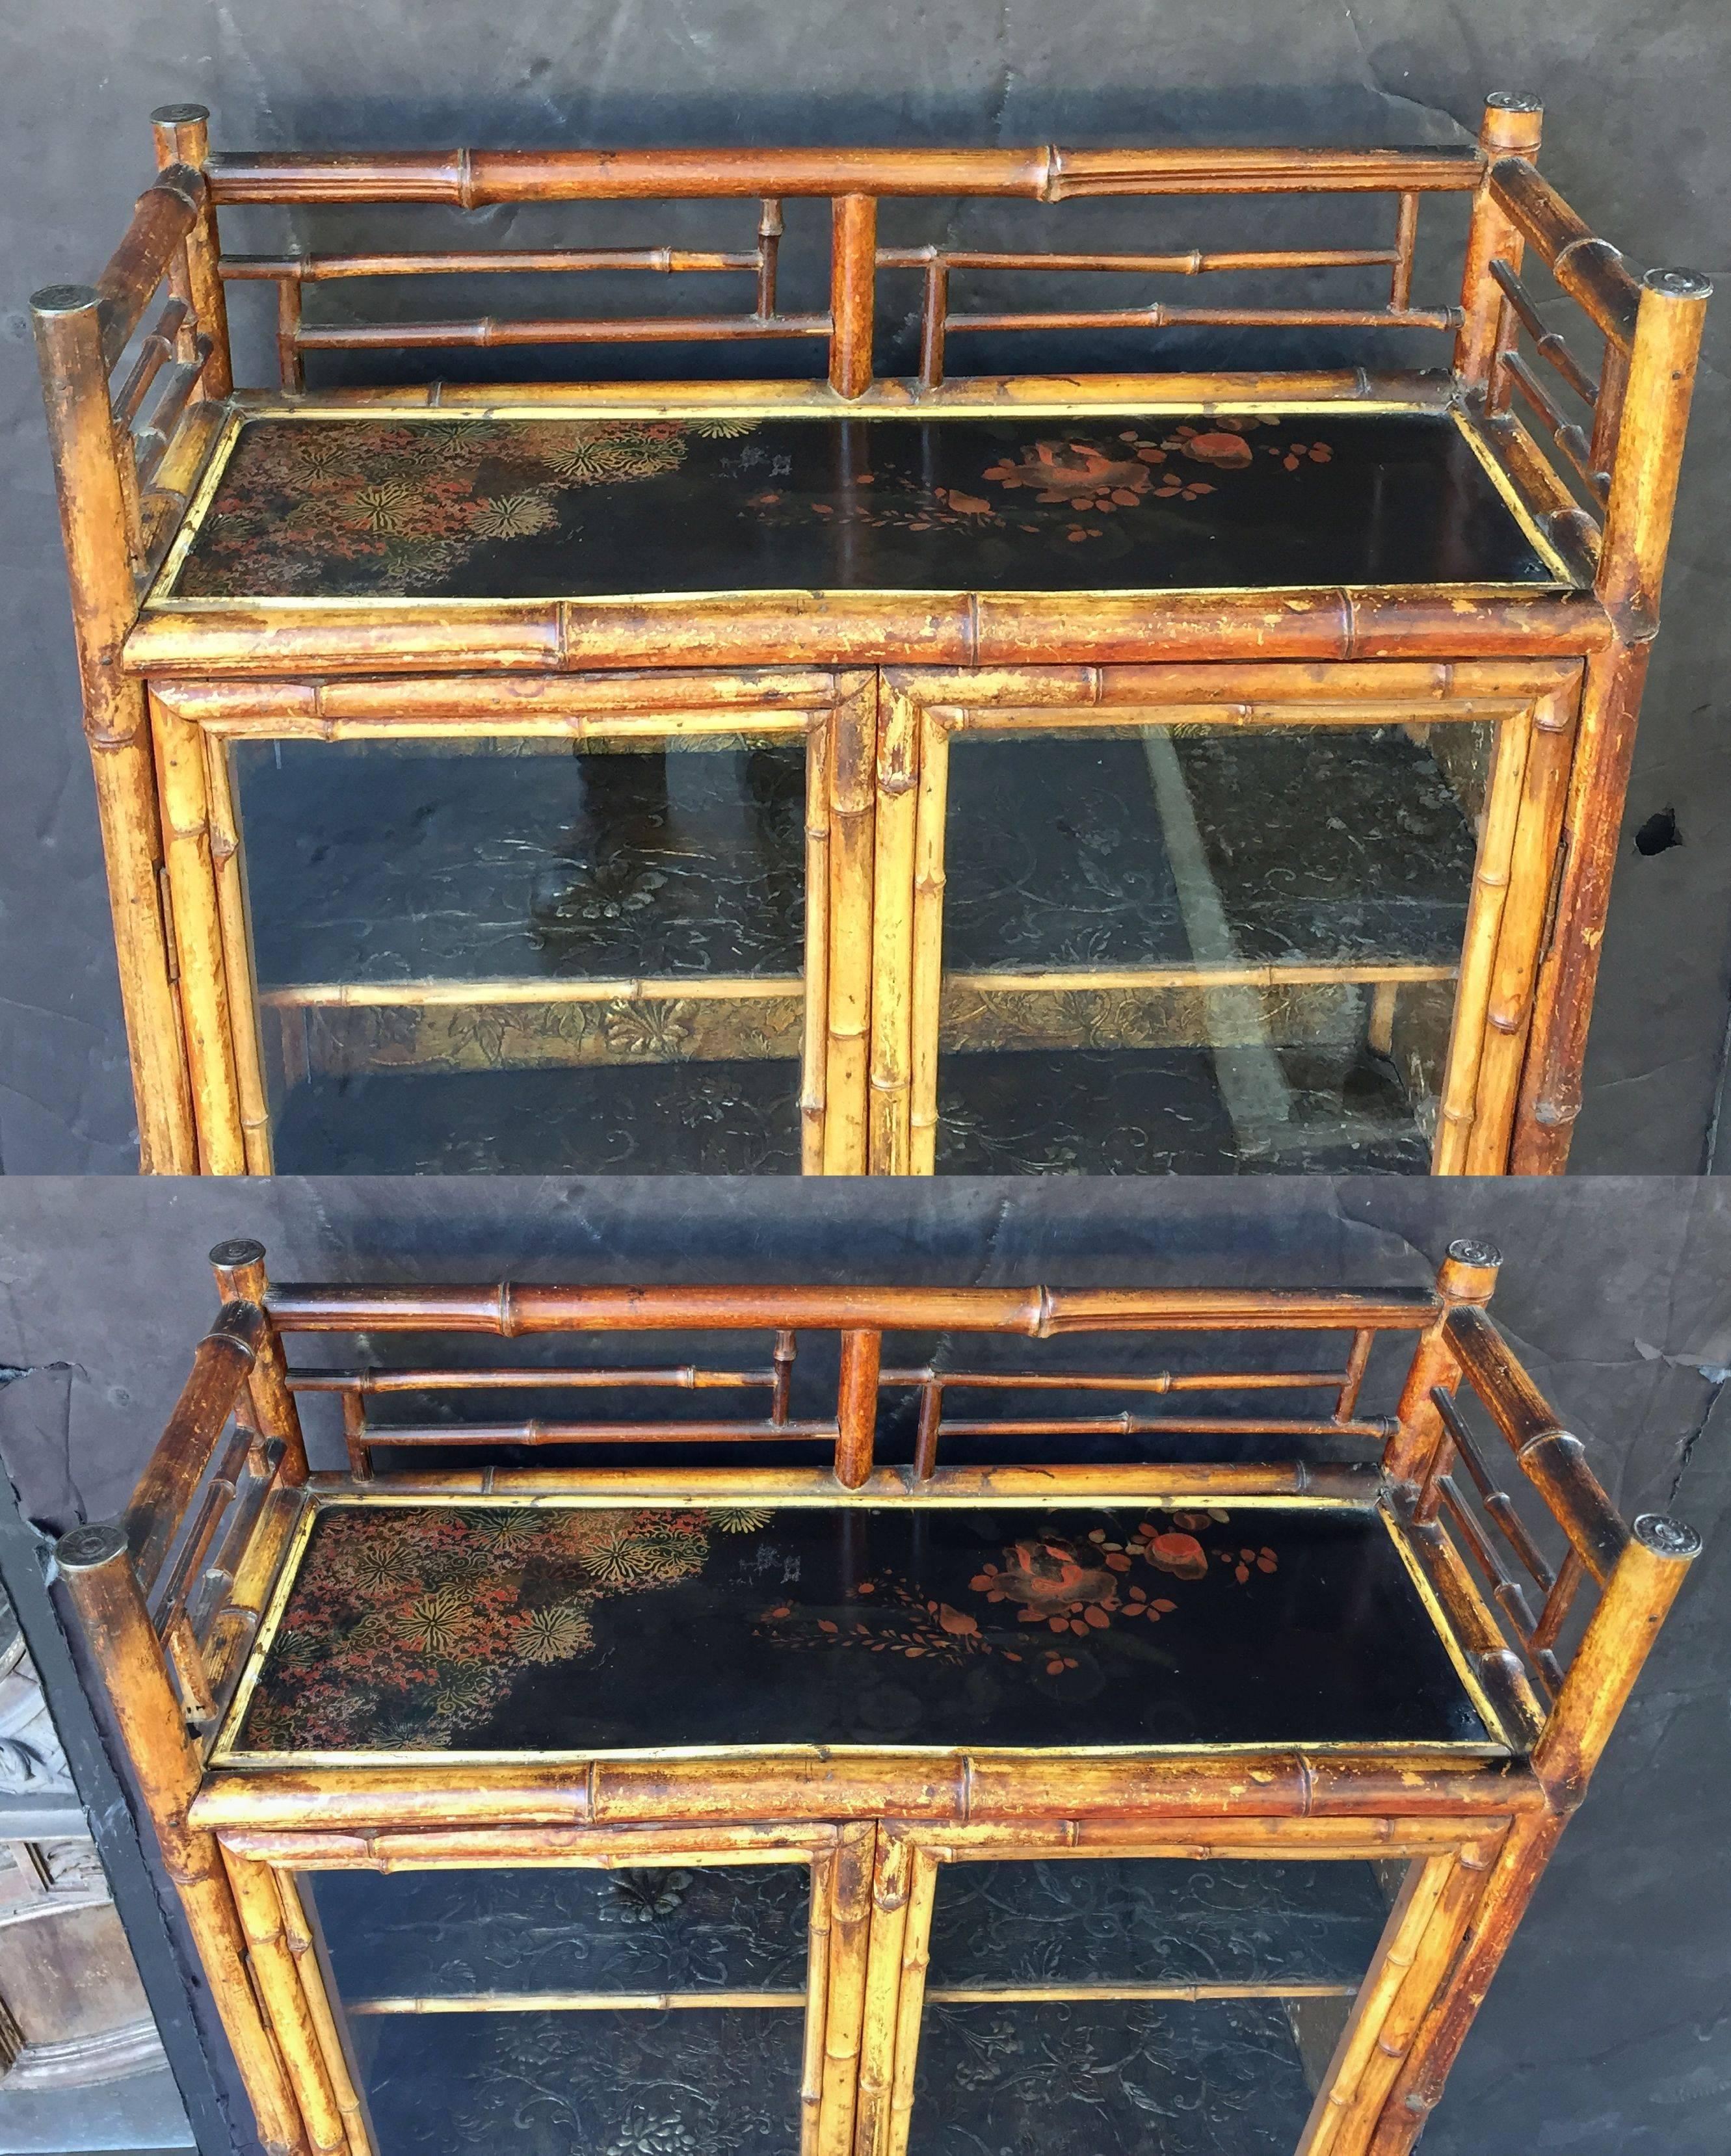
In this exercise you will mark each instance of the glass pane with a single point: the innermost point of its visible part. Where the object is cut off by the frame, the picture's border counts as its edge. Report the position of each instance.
(1146, 1920)
(383, 878)
(449, 1934)
(604, 2083)
(1120, 905)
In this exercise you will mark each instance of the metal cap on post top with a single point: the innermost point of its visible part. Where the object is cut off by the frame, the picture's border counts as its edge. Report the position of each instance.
(1468, 1271)
(86, 1548)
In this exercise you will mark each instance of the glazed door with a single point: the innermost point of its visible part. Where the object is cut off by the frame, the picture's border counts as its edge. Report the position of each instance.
(576, 926)
(676, 2005)
(1194, 919)
(1064, 2004)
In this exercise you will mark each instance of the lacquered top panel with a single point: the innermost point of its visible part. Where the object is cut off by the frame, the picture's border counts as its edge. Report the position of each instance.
(468, 1629)
(361, 507)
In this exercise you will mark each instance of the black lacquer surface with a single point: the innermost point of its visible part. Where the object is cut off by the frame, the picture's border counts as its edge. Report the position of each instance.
(523, 508)
(1220, 2078)
(480, 1630)
(1153, 1920)
(704, 2081)
(449, 1934)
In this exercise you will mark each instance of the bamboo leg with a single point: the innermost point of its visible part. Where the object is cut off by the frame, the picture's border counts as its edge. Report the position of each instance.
(240, 1277)
(237, 958)
(915, 1958)
(128, 1663)
(892, 934)
(816, 1048)
(94, 523)
(277, 1979)
(873, 2124)
(849, 1936)
(1509, 1009)
(925, 981)
(298, 1933)
(1490, 883)
(852, 764)
(198, 930)
(1467, 1274)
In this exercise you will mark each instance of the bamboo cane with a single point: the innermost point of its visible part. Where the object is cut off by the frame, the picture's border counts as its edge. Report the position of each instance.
(814, 1055)
(180, 781)
(856, 1407)
(850, 1937)
(252, 1102)
(873, 2125)
(1467, 1274)
(892, 932)
(852, 274)
(93, 1563)
(298, 1936)
(182, 137)
(1512, 125)
(853, 730)
(239, 1267)
(813, 2077)
(926, 980)
(276, 1977)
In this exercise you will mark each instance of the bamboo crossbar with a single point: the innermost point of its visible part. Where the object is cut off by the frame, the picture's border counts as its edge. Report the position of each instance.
(1160, 316)
(685, 1376)
(1162, 1381)
(488, 332)
(166, 212)
(375, 1435)
(1589, 269)
(1549, 344)
(1196, 262)
(570, 2002)
(466, 262)
(221, 1365)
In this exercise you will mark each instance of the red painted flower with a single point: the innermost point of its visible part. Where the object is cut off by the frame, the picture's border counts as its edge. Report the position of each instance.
(1216, 448)
(1046, 1577)
(1081, 473)
(1181, 1555)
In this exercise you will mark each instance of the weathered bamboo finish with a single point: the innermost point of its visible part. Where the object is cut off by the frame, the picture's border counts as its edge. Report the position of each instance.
(1599, 493)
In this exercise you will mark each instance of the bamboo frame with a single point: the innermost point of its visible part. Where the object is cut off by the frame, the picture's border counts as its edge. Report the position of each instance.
(137, 467)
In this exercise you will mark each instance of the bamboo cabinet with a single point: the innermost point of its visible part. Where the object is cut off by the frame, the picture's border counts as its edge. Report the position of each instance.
(1111, 772)
(859, 1720)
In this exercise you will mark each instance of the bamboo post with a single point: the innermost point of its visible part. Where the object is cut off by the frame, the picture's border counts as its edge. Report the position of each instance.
(892, 904)
(239, 1269)
(812, 2070)
(873, 2124)
(183, 793)
(253, 1100)
(856, 1408)
(844, 2003)
(853, 285)
(926, 970)
(1512, 127)
(276, 1978)
(297, 1934)
(87, 457)
(182, 137)
(916, 1959)
(814, 1053)
(853, 759)
(1492, 876)
(1468, 1274)
(1509, 1003)
(128, 1663)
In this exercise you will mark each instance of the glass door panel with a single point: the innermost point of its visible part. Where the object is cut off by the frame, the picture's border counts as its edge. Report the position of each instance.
(504, 955)
(1074, 2006)
(1200, 948)
(644, 2012)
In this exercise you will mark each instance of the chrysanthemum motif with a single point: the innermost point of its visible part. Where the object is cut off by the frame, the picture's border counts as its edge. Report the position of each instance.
(321, 451)
(507, 1529)
(385, 506)
(659, 1031)
(741, 1521)
(435, 1622)
(513, 517)
(595, 456)
(552, 1634)
(375, 1566)
(722, 430)
(459, 1694)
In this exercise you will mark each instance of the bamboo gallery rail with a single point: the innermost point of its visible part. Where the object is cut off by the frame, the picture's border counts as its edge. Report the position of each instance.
(182, 1606)
(1576, 444)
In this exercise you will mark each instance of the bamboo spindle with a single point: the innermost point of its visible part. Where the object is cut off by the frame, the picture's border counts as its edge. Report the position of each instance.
(184, 794)
(853, 280)
(893, 884)
(182, 137)
(873, 2117)
(128, 1665)
(88, 460)
(1467, 1274)
(1507, 1008)
(844, 1989)
(276, 1978)
(856, 1408)
(1619, 1635)
(1511, 127)
(290, 356)
(1492, 875)
(853, 743)
(298, 1935)
(241, 1275)
(1650, 445)
(253, 1099)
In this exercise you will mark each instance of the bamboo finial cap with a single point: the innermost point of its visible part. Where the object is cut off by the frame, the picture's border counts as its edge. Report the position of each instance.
(240, 1250)
(1470, 1250)
(1514, 101)
(82, 1549)
(1678, 284)
(64, 300)
(178, 116)
(1665, 1536)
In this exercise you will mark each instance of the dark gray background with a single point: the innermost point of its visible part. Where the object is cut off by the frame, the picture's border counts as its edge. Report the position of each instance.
(1635, 137)
(1608, 2032)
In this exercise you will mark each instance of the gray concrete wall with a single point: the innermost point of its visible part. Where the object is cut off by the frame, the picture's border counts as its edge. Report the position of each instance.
(1606, 2034)
(1635, 138)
